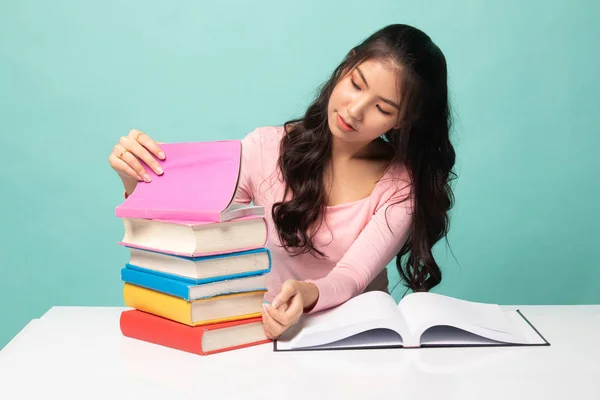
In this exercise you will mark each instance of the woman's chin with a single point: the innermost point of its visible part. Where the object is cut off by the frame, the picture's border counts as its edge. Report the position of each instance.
(336, 131)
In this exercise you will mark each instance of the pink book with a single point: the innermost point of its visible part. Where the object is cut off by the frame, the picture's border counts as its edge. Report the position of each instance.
(199, 182)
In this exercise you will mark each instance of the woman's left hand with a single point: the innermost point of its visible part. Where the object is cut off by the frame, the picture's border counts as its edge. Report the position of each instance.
(287, 307)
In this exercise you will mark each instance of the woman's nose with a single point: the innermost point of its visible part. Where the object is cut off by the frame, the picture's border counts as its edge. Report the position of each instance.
(356, 109)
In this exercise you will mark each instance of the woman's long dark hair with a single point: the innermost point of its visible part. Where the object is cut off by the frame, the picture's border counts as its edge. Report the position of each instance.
(421, 144)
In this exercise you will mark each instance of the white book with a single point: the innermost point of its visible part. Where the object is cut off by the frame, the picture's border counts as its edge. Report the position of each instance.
(203, 269)
(195, 238)
(424, 319)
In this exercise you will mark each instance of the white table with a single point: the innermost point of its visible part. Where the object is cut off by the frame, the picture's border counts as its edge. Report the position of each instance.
(79, 352)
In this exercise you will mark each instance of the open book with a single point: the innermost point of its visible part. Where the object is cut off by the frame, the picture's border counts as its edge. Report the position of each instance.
(373, 320)
(199, 183)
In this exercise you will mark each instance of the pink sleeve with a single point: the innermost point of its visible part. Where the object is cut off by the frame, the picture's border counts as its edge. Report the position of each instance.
(371, 252)
(250, 167)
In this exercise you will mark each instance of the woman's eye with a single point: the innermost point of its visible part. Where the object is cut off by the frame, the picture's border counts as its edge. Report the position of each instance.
(383, 111)
(354, 84)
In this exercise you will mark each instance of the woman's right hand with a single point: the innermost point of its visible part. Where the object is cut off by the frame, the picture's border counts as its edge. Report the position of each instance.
(129, 155)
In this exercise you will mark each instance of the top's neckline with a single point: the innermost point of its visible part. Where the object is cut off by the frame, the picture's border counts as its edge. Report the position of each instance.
(355, 202)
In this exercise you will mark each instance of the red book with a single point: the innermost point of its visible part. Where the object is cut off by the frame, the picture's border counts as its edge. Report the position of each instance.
(201, 340)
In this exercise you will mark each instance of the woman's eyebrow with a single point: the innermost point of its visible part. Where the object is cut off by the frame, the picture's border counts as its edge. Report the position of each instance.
(390, 102)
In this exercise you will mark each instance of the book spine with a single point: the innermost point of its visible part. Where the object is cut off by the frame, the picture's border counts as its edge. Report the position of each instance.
(157, 303)
(142, 326)
(137, 325)
(156, 282)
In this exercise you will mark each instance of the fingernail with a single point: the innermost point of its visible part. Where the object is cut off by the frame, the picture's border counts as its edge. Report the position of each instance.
(275, 304)
(147, 178)
(159, 170)
(161, 155)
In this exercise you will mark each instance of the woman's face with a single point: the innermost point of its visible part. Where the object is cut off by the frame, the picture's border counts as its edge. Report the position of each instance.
(364, 103)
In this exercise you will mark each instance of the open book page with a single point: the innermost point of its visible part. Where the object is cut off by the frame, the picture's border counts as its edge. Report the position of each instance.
(235, 210)
(449, 335)
(241, 210)
(482, 322)
(370, 311)
(374, 338)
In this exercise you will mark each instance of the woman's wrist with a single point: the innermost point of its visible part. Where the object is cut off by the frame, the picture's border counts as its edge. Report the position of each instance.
(310, 294)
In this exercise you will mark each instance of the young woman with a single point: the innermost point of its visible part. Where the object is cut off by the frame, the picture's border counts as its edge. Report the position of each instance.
(361, 178)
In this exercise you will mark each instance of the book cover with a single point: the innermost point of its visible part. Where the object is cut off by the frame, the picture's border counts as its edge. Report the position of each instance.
(199, 182)
(153, 329)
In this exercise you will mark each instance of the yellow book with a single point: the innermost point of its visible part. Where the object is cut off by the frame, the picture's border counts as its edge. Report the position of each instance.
(223, 308)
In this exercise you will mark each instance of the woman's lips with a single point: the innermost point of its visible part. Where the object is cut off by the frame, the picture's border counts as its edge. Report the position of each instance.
(343, 124)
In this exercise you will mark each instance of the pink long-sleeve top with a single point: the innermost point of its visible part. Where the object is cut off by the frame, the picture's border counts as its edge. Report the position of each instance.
(356, 238)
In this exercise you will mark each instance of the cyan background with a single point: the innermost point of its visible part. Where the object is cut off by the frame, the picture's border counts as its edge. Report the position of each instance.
(76, 75)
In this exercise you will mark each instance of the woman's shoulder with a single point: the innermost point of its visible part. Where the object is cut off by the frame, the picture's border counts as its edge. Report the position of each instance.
(395, 184)
(260, 149)
(266, 138)
(268, 133)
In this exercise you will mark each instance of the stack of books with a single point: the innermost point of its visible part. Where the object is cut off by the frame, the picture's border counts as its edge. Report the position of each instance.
(198, 262)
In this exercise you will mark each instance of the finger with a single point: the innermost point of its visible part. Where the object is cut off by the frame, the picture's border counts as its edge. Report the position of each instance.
(282, 307)
(278, 316)
(266, 326)
(289, 313)
(267, 331)
(143, 139)
(272, 326)
(141, 153)
(295, 310)
(132, 161)
(287, 291)
(123, 168)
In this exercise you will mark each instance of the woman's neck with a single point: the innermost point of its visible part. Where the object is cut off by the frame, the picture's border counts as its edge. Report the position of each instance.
(342, 152)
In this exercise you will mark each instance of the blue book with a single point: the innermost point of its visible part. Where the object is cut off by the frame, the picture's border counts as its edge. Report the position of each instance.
(204, 269)
(189, 289)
